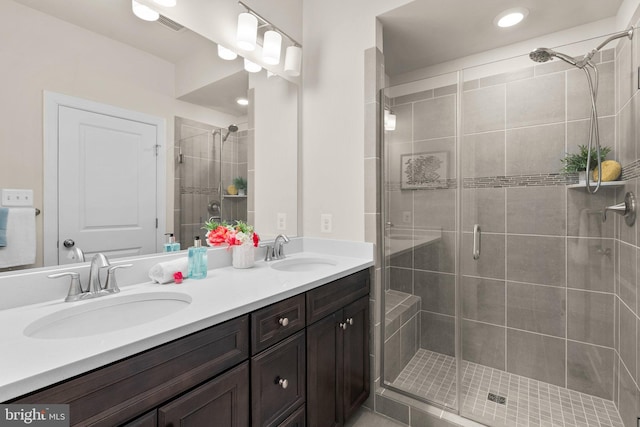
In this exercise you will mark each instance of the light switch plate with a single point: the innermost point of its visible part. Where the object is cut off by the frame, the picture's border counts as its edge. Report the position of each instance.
(13, 198)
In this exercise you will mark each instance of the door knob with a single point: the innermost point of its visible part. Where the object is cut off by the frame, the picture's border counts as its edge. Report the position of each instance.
(69, 243)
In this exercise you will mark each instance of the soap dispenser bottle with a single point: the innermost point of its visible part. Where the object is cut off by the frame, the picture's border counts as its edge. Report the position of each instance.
(197, 260)
(171, 245)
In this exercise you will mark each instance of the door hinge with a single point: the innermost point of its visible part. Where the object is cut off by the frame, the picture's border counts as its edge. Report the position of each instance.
(157, 149)
(156, 222)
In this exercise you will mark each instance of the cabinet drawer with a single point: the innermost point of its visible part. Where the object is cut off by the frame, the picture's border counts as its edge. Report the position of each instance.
(119, 392)
(326, 299)
(276, 322)
(297, 419)
(223, 402)
(150, 419)
(278, 383)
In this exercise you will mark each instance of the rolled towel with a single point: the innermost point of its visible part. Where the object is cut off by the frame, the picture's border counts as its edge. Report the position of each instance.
(163, 272)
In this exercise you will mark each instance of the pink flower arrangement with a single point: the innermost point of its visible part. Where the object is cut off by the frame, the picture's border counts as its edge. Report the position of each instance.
(233, 235)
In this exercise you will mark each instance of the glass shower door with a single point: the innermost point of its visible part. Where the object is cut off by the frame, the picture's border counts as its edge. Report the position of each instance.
(420, 250)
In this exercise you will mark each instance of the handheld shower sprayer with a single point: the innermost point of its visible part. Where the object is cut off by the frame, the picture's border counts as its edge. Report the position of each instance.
(543, 54)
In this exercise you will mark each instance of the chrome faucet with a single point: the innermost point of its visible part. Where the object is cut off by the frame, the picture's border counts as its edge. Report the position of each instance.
(278, 246)
(95, 287)
(97, 262)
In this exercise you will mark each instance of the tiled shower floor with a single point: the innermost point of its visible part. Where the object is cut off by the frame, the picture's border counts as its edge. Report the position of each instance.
(529, 402)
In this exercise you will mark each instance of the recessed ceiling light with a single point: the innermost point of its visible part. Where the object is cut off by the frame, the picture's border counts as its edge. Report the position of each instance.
(242, 101)
(510, 17)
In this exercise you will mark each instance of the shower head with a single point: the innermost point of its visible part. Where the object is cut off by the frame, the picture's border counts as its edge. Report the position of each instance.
(542, 54)
(230, 129)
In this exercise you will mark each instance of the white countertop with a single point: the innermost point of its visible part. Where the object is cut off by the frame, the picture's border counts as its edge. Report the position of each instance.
(28, 364)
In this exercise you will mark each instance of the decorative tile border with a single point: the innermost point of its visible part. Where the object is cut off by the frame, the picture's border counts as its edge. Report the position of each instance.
(199, 190)
(550, 179)
(631, 171)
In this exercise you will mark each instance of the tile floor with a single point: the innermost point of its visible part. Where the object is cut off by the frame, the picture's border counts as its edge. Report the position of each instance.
(529, 402)
(366, 418)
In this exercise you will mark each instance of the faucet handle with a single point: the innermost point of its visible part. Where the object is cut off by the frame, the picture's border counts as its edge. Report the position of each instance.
(75, 289)
(269, 255)
(112, 284)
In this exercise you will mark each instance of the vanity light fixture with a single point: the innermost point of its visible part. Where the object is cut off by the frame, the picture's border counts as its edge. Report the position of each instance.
(293, 60)
(271, 47)
(389, 120)
(247, 31)
(247, 36)
(226, 54)
(510, 17)
(251, 67)
(165, 3)
(242, 101)
(144, 12)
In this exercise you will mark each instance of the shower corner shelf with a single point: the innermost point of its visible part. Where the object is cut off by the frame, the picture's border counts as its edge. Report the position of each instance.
(234, 196)
(603, 184)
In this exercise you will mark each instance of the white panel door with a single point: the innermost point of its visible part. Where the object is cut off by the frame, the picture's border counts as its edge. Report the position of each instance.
(107, 184)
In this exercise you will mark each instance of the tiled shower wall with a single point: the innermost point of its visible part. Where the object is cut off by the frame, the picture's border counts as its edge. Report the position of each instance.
(197, 177)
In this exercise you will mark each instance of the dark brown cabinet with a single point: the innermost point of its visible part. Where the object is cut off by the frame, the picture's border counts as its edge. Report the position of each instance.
(338, 353)
(278, 381)
(221, 402)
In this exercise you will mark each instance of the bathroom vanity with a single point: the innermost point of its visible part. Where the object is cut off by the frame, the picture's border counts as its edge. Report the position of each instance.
(301, 359)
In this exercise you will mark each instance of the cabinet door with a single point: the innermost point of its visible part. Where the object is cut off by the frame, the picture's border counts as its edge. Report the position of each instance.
(324, 394)
(150, 419)
(297, 419)
(278, 381)
(356, 356)
(221, 402)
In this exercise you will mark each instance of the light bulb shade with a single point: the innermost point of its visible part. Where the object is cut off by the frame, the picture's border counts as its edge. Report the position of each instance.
(165, 3)
(251, 67)
(293, 61)
(389, 120)
(144, 12)
(247, 31)
(226, 54)
(272, 47)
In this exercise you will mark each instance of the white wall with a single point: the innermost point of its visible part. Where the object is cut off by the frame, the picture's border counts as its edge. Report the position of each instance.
(276, 152)
(40, 53)
(336, 34)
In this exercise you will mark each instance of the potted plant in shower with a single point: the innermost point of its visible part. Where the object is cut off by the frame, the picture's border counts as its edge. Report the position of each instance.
(577, 162)
(241, 184)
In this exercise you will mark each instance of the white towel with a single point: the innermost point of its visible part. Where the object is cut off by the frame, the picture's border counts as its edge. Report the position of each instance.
(163, 272)
(21, 238)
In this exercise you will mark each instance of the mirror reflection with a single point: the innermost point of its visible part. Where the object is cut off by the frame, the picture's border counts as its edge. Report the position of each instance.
(99, 52)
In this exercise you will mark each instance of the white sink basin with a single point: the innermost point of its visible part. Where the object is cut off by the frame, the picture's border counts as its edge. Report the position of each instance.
(107, 314)
(303, 264)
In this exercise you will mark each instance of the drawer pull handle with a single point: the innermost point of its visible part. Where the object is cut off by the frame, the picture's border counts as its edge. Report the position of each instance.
(343, 326)
(350, 321)
(284, 321)
(283, 383)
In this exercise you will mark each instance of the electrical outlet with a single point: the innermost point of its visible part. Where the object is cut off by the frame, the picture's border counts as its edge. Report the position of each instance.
(17, 197)
(406, 217)
(282, 221)
(326, 223)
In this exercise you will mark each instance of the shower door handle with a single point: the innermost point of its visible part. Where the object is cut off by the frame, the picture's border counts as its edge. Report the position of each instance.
(476, 241)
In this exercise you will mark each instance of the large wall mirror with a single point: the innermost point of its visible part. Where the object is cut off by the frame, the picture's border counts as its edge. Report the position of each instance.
(99, 52)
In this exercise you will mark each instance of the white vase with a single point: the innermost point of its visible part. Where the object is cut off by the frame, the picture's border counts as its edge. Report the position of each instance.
(582, 177)
(243, 255)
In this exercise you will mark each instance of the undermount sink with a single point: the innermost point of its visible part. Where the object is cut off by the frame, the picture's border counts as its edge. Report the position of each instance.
(107, 314)
(303, 264)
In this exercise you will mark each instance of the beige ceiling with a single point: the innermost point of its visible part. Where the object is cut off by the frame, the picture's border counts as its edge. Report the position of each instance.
(428, 32)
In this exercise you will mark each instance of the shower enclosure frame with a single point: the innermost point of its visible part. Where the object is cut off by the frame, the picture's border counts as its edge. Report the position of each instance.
(459, 233)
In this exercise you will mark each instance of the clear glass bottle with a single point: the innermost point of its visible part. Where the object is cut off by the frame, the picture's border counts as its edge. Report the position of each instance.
(171, 245)
(197, 260)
